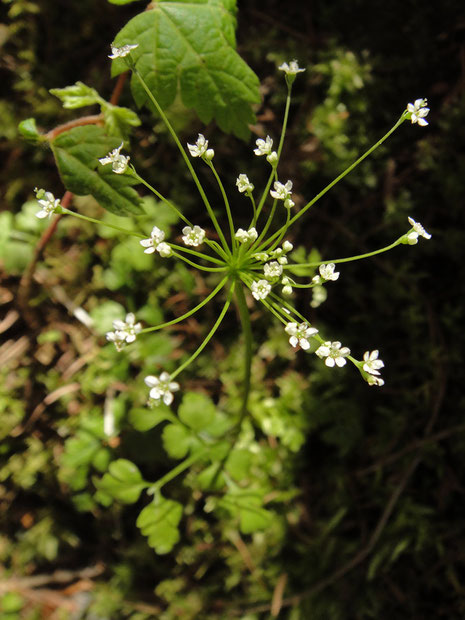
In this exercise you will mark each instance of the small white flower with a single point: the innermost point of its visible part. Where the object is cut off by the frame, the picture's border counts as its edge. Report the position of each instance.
(334, 353)
(244, 236)
(253, 234)
(371, 362)
(125, 331)
(287, 288)
(118, 339)
(287, 246)
(200, 148)
(121, 52)
(156, 237)
(319, 295)
(155, 243)
(291, 69)
(327, 272)
(260, 289)
(261, 257)
(243, 184)
(418, 111)
(162, 388)
(372, 380)
(164, 250)
(273, 269)
(119, 163)
(418, 230)
(193, 236)
(272, 158)
(283, 192)
(48, 203)
(263, 146)
(299, 334)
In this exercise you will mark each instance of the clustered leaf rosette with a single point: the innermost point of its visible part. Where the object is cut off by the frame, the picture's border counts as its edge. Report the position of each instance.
(125, 331)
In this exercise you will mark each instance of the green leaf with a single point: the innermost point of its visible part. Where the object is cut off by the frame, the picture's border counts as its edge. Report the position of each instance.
(238, 464)
(118, 120)
(123, 482)
(77, 152)
(77, 96)
(247, 505)
(189, 47)
(176, 440)
(102, 459)
(143, 419)
(159, 521)
(11, 602)
(211, 478)
(104, 314)
(197, 411)
(121, 1)
(28, 130)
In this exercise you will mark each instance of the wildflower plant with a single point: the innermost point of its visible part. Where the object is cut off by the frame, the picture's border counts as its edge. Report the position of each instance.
(251, 265)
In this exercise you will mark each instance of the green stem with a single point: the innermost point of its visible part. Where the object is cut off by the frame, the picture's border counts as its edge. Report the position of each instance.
(100, 222)
(161, 197)
(339, 178)
(286, 116)
(196, 265)
(265, 230)
(209, 335)
(280, 148)
(226, 203)
(218, 249)
(247, 332)
(178, 470)
(348, 259)
(185, 157)
(201, 255)
(188, 314)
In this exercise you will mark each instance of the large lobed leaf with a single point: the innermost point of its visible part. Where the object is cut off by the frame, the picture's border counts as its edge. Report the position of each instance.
(77, 152)
(190, 47)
